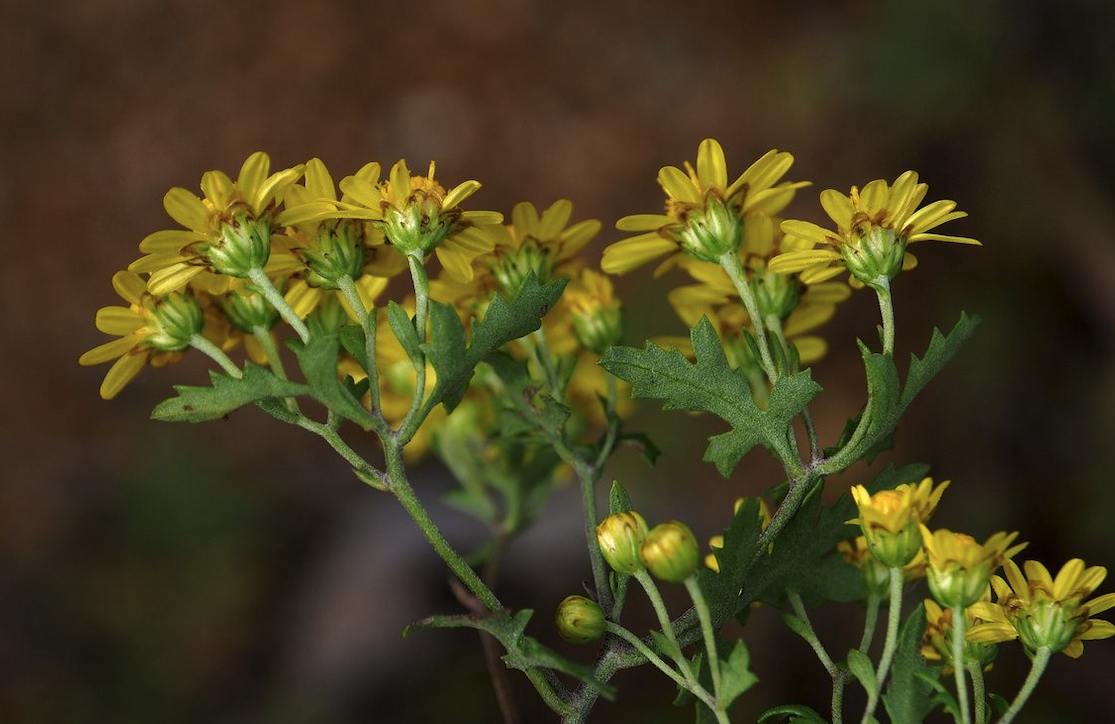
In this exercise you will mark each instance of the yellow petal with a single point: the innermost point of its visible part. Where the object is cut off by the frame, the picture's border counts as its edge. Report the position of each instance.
(623, 256)
(554, 219)
(218, 188)
(121, 373)
(712, 171)
(318, 181)
(644, 222)
(186, 208)
(459, 193)
(678, 185)
(169, 240)
(129, 286)
(524, 220)
(838, 207)
(273, 187)
(119, 321)
(796, 261)
(252, 173)
(172, 278)
(108, 351)
(362, 192)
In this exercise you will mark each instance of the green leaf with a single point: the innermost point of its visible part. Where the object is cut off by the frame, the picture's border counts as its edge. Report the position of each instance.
(454, 360)
(941, 349)
(641, 442)
(736, 676)
(618, 499)
(535, 410)
(199, 404)
(523, 652)
(791, 713)
(908, 697)
(711, 385)
(403, 327)
(862, 668)
(352, 341)
(318, 359)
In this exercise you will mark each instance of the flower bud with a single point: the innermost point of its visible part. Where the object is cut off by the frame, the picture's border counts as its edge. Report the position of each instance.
(620, 537)
(876, 255)
(336, 251)
(579, 620)
(174, 320)
(670, 551)
(421, 225)
(244, 244)
(248, 310)
(711, 232)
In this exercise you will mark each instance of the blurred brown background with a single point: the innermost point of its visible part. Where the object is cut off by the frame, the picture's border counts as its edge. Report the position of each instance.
(235, 571)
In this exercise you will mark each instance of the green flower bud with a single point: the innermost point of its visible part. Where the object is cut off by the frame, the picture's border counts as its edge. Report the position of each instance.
(876, 255)
(1048, 622)
(620, 537)
(245, 244)
(670, 551)
(579, 620)
(248, 310)
(174, 320)
(514, 268)
(776, 294)
(335, 252)
(711, 232)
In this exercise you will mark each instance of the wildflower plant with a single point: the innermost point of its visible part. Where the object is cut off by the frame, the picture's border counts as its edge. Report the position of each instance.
(505, 361)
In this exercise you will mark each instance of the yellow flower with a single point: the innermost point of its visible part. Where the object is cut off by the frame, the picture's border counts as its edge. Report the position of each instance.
(227, 232)
(938, 635)
(876, 576)
(705, 215)
(595, 312)
(890, 518)
(873, 229)
(960, 567)
(542, 243)
(1043, 611)
(418, 216)
(152, 330)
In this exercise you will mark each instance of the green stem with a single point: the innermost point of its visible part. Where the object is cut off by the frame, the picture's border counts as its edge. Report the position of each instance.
(400, 486)
(215, 353)
(659, 606)
(1037, 668)
(731, 264)
(870, 620)
(709, 632)
(959, 624)
(811, 635)
(975, 671)
(266, 341)
(266, 287)
(894, 620)
(886, 310)
(363, 470)
(421, 311)
(367, 319)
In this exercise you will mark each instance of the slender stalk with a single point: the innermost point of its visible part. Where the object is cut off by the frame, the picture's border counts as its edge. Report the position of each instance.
(421, 311)
(870, 619)
(266, 341)
(400, 486)
(959, 624)
(709, 632)
(369, 474)
(266, 287)
(886, 310)
(215, 353)
(1037, 668)
(367, 320)
(659, 606)
(731, 264)
(975, 671)
(811, 638)
(894, 620)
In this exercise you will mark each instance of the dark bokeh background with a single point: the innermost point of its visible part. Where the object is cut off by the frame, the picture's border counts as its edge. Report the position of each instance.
(235, 571)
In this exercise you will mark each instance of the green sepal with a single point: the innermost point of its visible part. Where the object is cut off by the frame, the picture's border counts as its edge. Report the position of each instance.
(711, 385)
(455, 359)
(200, 404)
(618, 499)
(791, 714)
(908, 697)
(523, 652)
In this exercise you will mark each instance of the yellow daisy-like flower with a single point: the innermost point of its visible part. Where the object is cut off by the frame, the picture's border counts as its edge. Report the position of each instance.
(938, 635)
(541, 243)
(1043, 611)
(418, 216)
(960, 567)
(889, 519)
(153, 330)
(594, 311)
(227, 232)
(873, 229)
(705, 215)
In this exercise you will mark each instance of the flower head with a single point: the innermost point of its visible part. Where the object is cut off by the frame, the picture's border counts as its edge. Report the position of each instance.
(890, 518)
(1043, 611)
(541, 243)
(620, 537)
(152, 330)
(419, 216)
(227, 232)
(938, 636)
(705, 216)
(594, 311)
(873, 229)
(670, 551)
(960, 567)
(579, 620)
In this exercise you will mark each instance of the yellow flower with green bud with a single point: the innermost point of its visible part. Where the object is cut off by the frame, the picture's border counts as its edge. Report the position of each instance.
(873, 229)
(151, 329)
(1046, 612)
(670, 551)
(889, 519)
(418, 216)
(579, 620)
(876, 576)
(594, 311)
(227, 232)
(960, 567)
(545, 244)
(705, 215)
(938, 643)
